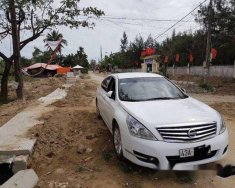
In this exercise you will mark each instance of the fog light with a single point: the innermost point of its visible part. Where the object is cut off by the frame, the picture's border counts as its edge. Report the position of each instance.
(225, 149)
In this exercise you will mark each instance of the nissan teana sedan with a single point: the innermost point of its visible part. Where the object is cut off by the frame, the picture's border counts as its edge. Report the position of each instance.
(155, 124)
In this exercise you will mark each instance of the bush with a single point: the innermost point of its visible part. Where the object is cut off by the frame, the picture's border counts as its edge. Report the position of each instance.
(84, 70)
(207, 87)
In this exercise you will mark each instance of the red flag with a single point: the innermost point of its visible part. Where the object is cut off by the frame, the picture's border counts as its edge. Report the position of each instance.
(143, 53)
(150, 51)
(191, 57)
(166, 59)
(177, 58)
(213, 53)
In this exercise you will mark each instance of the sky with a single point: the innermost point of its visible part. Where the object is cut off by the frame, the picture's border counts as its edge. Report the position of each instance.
(109, 30)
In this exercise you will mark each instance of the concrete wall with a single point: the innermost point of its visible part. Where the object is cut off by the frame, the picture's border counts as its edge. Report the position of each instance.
(220, 71)
(128, 70)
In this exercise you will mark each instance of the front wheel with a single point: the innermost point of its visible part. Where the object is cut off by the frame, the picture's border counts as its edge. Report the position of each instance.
(117, 142)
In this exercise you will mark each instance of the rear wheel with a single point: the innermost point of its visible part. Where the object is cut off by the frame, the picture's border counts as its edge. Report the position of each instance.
(117, 141)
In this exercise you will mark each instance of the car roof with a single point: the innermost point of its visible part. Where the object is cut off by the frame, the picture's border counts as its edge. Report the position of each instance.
(136, 75)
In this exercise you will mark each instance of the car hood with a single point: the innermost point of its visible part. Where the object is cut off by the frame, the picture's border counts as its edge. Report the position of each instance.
(166, 112)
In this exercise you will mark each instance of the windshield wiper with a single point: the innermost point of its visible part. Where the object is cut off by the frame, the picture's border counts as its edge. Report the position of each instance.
(161, 98)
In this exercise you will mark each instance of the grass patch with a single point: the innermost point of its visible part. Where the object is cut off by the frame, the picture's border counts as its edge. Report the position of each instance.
(207, 87)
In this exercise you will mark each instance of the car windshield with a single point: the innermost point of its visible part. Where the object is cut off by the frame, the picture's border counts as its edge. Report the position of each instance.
(147, 89)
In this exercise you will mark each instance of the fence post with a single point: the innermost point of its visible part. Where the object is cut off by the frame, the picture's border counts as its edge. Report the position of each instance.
(188, 69)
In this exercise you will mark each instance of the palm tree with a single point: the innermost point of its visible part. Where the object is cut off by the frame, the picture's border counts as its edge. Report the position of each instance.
(55, 36)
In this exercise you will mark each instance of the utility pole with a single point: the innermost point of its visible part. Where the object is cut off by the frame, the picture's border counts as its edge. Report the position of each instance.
(208, 46)
(101, 53)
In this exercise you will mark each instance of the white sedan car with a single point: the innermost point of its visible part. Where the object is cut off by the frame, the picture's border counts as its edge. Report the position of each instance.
(156, 125)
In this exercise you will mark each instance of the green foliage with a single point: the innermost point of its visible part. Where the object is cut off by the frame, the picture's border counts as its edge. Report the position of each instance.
(124, 42)
(207, 87)
(84, 70)
(79, 58)
(128, 58)
(25, 62)
(223, 29)
(41, 15)
(40, 56)
(55, 36)
(223, 39)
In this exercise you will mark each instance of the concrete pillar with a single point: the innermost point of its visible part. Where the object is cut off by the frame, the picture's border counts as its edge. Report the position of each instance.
(188, 69)
(144, 67)
(155, 67)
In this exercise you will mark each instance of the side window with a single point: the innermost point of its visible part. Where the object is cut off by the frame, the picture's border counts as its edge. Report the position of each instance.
(111, 87)
(105, 83)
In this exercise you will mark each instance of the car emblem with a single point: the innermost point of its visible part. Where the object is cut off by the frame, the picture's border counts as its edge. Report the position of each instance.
(192, 133)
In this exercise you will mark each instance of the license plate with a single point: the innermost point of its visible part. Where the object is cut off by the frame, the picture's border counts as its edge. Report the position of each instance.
(186, 152)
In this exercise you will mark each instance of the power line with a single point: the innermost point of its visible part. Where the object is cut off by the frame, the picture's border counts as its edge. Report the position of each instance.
(141, 19)
(180, 20)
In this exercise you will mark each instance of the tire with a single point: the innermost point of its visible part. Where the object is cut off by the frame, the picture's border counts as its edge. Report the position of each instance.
(117, 142)
(97, 110)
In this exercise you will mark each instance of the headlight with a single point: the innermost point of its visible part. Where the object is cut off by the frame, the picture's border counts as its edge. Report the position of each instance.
(138, 130)
(222, 126)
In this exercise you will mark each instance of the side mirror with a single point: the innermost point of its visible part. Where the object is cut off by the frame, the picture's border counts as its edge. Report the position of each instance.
(109, 94)
(184, 90)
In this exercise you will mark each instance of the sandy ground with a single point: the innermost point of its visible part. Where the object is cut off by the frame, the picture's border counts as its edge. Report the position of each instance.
(33, 89)
(74, 149)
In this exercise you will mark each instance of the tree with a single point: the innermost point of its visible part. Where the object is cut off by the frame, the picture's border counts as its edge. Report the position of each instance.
(35, 17)
(40, 56)
(36, 53)
(124, 42)
(25, 62)
(222, 28)
(79, 58)
(55, 36)
(149, 43)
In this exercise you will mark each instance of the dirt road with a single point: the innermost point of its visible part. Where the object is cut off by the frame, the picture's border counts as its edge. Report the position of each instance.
(74, 149)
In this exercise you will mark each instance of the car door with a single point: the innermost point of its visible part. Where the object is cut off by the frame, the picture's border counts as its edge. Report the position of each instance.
(102, 97)
(110, 104)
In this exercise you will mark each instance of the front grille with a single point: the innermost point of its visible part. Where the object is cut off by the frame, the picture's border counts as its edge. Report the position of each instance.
(188, 133)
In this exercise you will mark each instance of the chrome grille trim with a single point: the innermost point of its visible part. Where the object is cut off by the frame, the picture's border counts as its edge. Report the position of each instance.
(181, 133)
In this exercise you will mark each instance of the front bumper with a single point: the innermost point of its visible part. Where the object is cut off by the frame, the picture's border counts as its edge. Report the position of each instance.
(165, 156)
